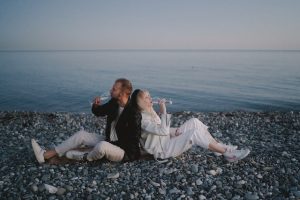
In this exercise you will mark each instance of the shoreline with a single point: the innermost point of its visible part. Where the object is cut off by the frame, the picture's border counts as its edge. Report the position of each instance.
(270, 171)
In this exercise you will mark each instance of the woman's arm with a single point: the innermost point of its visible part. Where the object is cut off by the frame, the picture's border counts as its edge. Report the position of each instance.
(162, 129)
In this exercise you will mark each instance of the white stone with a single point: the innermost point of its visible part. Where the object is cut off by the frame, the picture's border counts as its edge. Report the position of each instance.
(213, 172)
(154, 183)
(51, 189)
(113, 176)
(199, 182)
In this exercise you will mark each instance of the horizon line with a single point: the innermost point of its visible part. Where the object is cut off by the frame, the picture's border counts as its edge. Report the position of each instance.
(140, 49)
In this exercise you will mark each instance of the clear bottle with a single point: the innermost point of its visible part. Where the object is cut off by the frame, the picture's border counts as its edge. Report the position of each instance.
(103, 97)
(155, 100)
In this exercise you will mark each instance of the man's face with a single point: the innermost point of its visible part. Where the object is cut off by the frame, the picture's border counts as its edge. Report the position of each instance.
(116, 90)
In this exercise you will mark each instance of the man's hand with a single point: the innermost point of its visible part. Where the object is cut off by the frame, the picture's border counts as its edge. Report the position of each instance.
(97, 101)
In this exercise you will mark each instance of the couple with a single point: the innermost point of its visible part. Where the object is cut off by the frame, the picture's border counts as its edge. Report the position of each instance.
(132, 125)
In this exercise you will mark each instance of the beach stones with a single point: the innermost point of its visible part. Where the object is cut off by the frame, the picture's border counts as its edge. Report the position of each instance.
(269, 171)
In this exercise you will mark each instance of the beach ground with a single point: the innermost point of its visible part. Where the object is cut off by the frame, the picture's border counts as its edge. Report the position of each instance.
(271, 170)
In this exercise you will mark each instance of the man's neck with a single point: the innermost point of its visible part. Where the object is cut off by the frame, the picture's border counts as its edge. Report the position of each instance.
(122, 102)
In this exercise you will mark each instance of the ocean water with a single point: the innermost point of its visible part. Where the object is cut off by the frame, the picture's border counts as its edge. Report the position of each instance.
(195, 80)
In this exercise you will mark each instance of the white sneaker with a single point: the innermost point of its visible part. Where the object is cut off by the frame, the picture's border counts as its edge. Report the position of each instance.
(77, 155)
(38, 151)
(227, 147)
(235, 155)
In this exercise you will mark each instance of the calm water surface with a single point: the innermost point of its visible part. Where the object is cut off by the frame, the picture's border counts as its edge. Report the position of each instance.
(195, 80)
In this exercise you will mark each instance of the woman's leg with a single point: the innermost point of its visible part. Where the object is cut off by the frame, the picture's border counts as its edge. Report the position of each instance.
(203, 138)
(216, 148)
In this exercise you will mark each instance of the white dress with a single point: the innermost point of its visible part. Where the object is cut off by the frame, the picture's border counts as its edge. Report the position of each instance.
(156, 137)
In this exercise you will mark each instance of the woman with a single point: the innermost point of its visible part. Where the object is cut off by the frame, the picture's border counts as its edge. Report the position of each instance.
(161, 141)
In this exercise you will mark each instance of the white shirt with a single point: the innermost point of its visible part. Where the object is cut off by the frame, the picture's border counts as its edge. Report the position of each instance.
(113, 133)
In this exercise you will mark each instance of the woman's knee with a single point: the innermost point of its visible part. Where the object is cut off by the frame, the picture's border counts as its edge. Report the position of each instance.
(79, 134)
(194, 121)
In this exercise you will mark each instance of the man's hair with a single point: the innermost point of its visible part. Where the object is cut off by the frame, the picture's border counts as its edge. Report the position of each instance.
(126, 85)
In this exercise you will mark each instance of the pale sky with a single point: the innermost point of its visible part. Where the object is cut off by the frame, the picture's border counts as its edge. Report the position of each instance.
(149, 24)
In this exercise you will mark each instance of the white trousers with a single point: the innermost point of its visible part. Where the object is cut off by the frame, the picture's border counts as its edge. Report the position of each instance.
(194, 132)
(100, 147)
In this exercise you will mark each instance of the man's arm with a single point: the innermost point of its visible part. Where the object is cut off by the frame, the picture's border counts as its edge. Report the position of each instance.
(105, 109)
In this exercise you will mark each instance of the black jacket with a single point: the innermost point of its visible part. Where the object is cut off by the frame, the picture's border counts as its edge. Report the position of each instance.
(128, 127)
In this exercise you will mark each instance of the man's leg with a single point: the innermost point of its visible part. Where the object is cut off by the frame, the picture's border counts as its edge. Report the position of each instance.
(107, 150)
(78, 139)
(75, 141)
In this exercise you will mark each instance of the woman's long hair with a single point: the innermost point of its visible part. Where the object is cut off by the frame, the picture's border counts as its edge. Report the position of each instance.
(138, 103)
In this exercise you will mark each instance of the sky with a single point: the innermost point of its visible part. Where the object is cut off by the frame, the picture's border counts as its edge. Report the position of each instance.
(149, 24)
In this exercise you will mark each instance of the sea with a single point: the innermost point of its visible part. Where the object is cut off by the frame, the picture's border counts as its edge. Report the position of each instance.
(194, 80)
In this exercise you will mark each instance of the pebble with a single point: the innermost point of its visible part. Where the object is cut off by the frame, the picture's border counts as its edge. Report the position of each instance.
(34, 188)
(162, 191)
(194, 168)
(212, 172)
(190, 191)
(51, 189)
(259, 176)
(154, 183)
(250, 196)
(297, 194)
(113, 175)
(69, 187)
(199, 182)
(61, 191)
(174, 191)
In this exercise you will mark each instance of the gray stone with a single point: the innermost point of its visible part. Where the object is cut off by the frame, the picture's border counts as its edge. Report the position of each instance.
(199, 182)
(174, 191)
(195, 168)
(69, 187)
(297, 193)
(34, 188)
(41, 188)
(162, 191)
(250, 196)
(113, 175)
(60, 191)
(190, 191)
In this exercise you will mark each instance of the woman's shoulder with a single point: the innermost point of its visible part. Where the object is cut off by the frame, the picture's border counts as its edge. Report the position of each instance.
(146, 116)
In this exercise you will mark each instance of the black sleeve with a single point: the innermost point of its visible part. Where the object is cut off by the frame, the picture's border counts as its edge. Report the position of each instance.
(105, 109)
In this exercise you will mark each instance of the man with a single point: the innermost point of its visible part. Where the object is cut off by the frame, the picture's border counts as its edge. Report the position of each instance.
(123, 127)
(122, 132)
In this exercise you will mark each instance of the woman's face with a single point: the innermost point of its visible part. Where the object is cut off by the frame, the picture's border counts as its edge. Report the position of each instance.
(146, 100)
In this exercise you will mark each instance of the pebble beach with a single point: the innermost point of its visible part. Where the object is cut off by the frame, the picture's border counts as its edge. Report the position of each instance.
(271, 170)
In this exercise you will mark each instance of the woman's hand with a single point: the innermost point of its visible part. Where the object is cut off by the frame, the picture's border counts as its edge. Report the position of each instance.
(177, 132)
(162, 106)
(174, 132)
